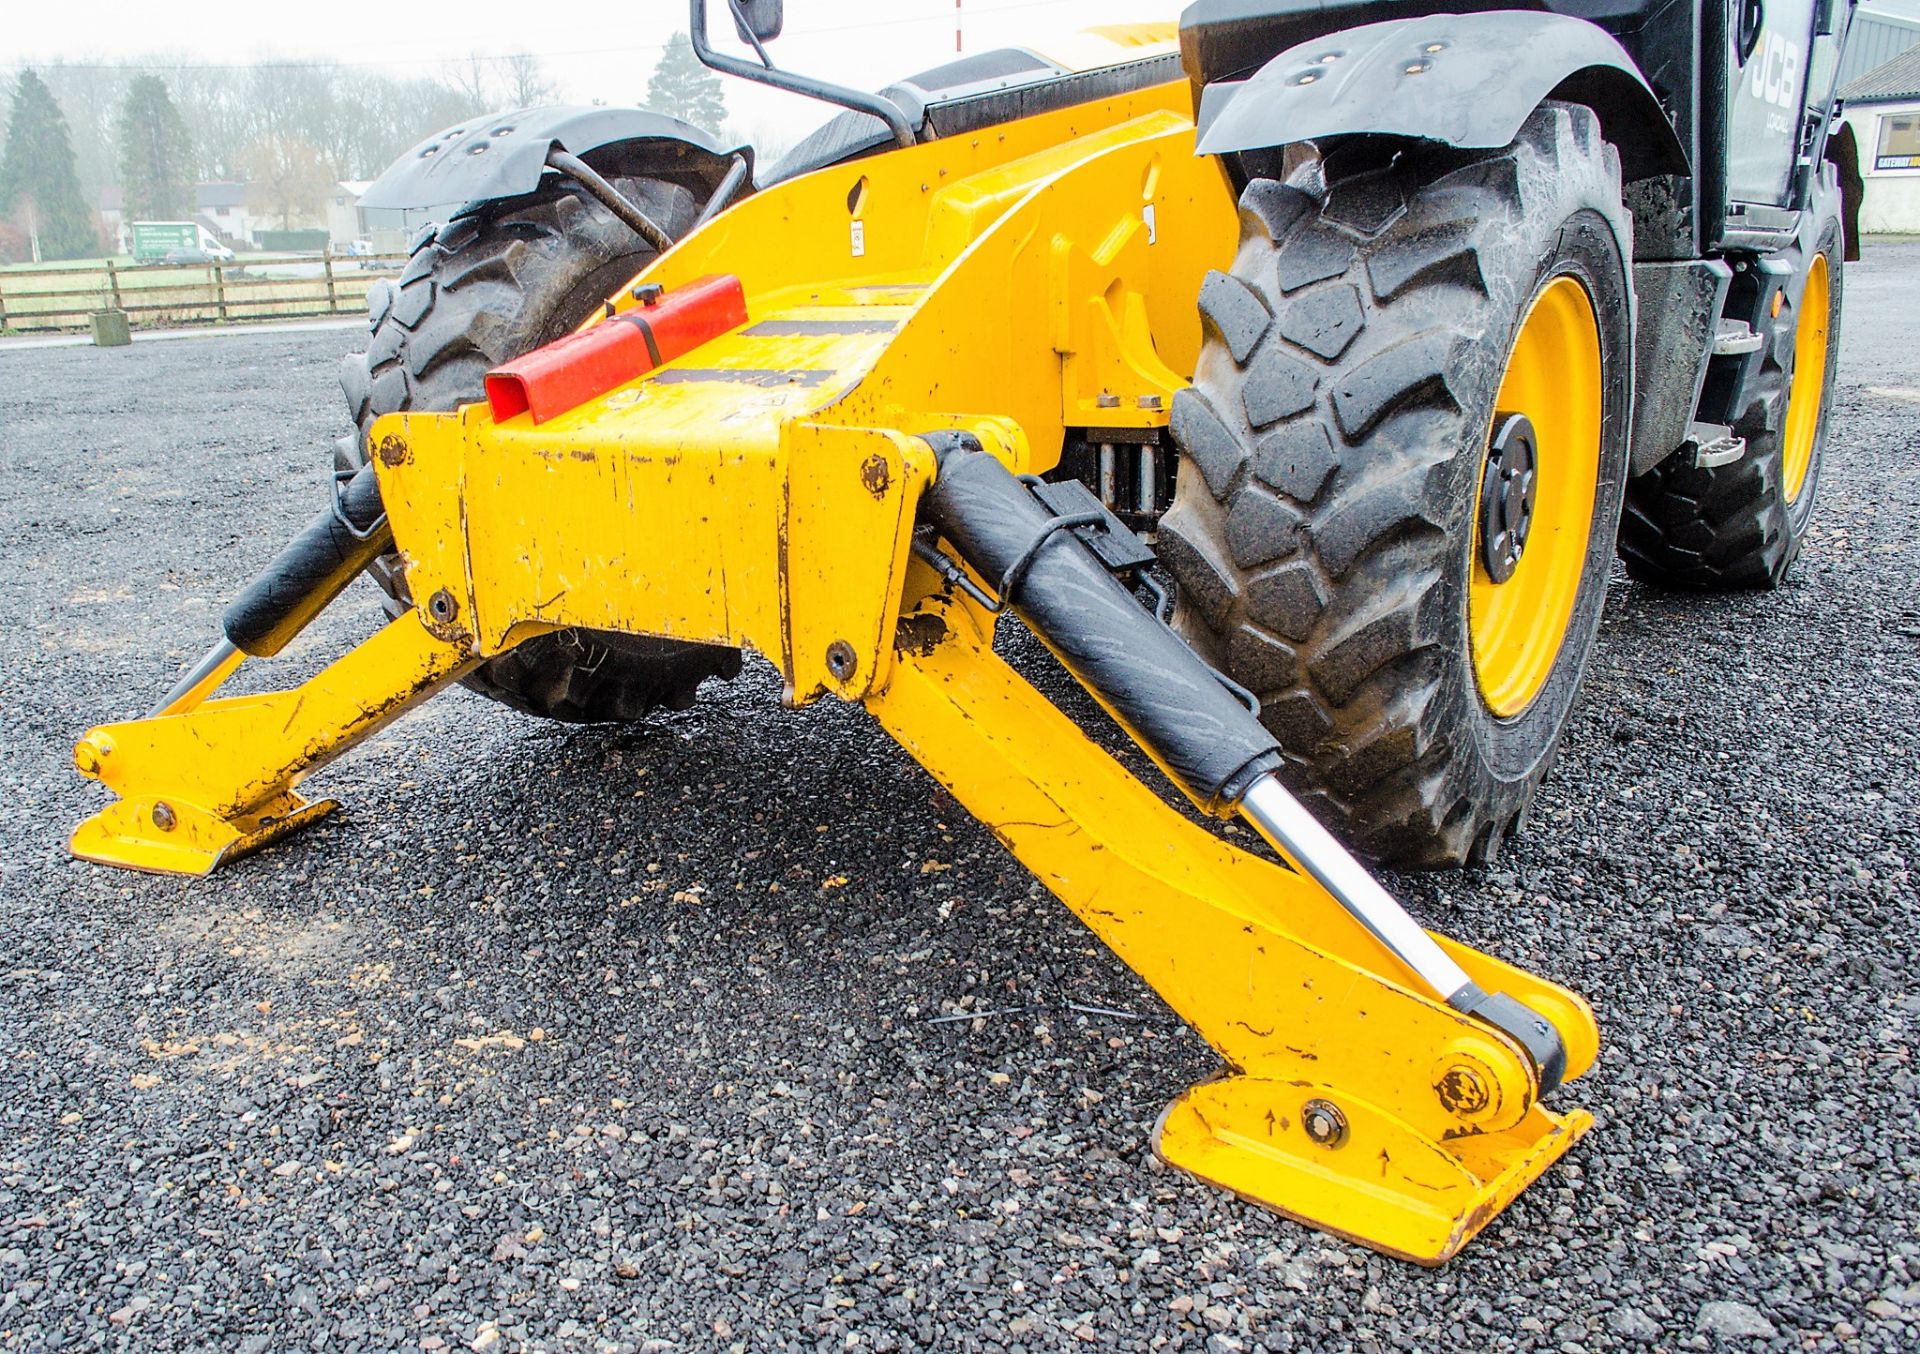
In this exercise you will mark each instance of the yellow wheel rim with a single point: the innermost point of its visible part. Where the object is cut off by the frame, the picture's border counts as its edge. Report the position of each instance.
(1554, 378)
(1809, 380)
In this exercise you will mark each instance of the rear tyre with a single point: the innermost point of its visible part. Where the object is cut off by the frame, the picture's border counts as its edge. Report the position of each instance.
(1388, 313)
(482, 290)
(1741, 525)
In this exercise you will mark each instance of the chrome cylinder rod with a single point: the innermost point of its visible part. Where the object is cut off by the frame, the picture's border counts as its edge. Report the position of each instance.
(201, 680)
(1297, 834)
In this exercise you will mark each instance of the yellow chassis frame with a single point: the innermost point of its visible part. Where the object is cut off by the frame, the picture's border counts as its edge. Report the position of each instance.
(761, 491)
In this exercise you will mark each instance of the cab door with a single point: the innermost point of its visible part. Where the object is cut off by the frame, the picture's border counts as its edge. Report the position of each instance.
(1784, 59)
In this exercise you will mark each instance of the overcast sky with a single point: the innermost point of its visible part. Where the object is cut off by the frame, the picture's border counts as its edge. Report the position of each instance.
(593, 49)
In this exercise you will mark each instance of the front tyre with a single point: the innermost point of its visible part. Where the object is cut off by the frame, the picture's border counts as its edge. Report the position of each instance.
(1404, 450)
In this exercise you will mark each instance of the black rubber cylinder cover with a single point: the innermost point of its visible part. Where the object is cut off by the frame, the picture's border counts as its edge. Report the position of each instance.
(329, 551)
(1165, 695)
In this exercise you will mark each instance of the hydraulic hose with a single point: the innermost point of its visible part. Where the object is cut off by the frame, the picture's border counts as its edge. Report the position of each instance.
(330, 551)
(1154, 684)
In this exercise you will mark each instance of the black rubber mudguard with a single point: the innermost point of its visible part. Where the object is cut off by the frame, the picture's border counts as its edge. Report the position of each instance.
(502, 155)
(1468, 80)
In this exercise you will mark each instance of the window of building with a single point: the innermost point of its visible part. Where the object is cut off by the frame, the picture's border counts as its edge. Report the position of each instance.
(1899, 142)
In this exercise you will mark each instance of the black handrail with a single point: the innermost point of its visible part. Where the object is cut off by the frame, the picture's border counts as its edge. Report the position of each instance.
(878, 105)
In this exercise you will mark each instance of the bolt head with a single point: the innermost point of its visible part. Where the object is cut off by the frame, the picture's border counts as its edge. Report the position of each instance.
(1324, 1122)
(163, 816)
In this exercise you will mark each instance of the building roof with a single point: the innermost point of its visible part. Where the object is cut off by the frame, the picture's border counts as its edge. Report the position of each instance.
(220, 195)
(1891, 80)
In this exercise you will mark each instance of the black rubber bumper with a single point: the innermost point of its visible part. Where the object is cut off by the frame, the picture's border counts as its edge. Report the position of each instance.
(1166, 696)
(329, 551)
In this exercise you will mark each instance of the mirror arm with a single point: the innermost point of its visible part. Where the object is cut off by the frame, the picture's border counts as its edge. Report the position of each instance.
(883, 108)
(753, 38)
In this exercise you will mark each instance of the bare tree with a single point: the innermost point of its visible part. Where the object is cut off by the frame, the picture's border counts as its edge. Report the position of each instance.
(473, 79)
(526, 83)
(355, 121)
(287, 178)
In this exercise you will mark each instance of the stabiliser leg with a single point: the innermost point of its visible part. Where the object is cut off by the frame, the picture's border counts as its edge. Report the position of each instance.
(202, 781)
(1385, 1083)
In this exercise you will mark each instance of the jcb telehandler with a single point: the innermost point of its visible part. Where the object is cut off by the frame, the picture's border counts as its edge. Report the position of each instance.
(1480, 297)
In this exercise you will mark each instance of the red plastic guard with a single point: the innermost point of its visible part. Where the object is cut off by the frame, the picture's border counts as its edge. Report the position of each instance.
(572, 370)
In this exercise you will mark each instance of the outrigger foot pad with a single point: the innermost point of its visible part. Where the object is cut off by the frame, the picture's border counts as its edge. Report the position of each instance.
(1322, 1156)
(162, 837)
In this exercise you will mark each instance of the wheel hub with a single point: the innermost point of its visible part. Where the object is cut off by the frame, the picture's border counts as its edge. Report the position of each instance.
(1507, 486)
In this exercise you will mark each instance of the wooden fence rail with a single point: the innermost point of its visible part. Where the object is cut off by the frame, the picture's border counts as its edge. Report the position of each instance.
(57, 298)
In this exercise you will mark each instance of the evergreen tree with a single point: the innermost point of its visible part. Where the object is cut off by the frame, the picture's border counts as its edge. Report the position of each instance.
(38, 183)
(156, 154)
(685, 88)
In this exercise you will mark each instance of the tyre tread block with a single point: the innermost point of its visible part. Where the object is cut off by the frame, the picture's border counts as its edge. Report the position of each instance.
(1413, 371)
(1234, 311)
(1206, 440)
(1324, 321)
(1278, 385)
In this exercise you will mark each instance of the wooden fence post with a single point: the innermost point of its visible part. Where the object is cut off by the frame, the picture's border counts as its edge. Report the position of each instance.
(113, 285)
(219, 291)
(333, 301)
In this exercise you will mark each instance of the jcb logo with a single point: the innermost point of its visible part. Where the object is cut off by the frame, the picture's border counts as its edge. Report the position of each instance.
(1773, 72)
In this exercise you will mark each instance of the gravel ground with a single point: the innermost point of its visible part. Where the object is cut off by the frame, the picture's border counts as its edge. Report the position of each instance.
(564, 1038)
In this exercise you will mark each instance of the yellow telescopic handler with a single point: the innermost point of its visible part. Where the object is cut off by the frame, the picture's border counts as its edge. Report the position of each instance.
(1473, 312)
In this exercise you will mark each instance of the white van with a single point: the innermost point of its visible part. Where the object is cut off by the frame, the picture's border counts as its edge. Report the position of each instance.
(212, 247)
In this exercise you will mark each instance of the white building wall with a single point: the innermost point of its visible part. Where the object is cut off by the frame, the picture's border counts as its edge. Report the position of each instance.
(344, 223)
(1892, 202)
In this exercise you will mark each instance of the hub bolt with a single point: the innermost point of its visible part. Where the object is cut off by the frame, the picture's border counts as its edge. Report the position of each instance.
(1508, 484)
